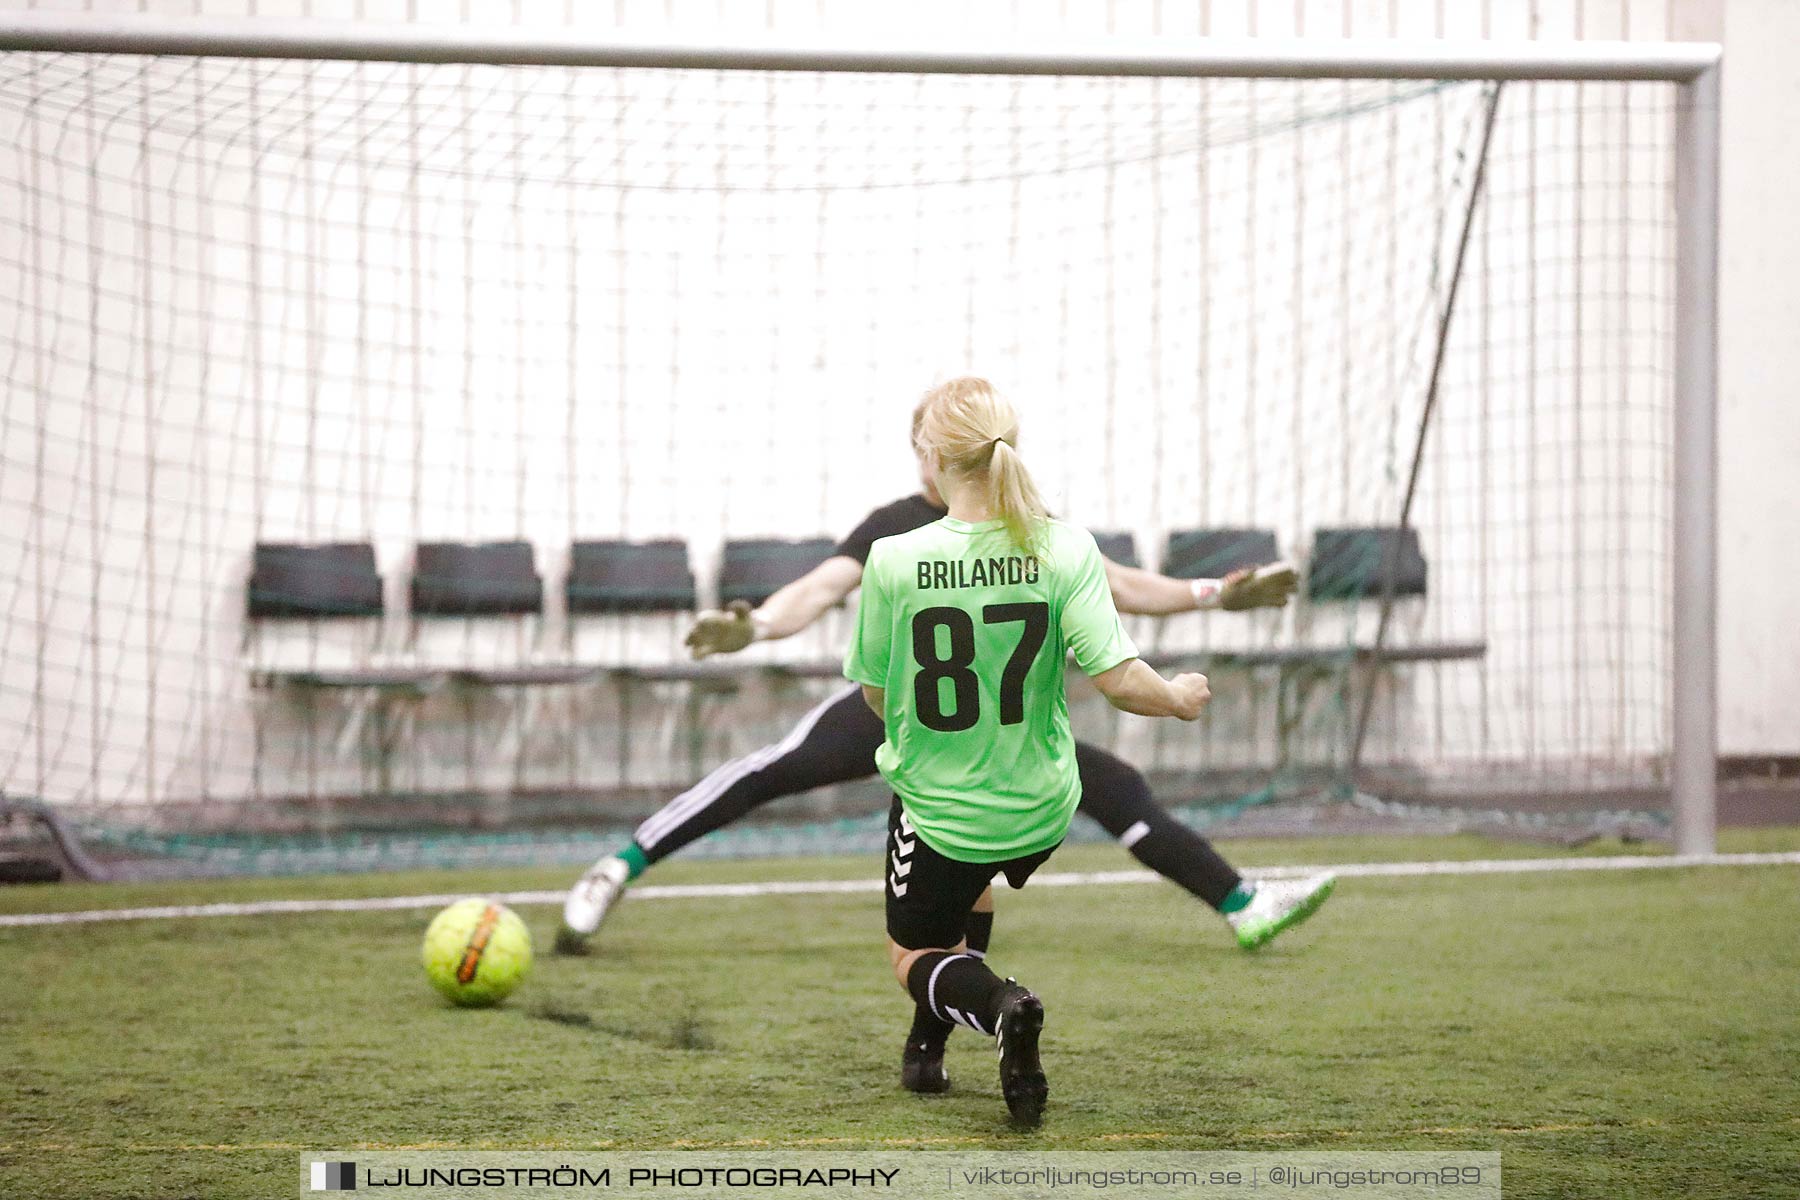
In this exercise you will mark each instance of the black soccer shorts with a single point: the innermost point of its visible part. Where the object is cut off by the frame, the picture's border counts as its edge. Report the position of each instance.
(929, 896)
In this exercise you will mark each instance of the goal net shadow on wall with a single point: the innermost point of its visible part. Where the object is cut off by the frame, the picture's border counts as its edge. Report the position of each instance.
(308, 302)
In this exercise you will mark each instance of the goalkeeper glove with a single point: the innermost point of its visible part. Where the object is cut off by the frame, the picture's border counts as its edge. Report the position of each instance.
(723, 631)
(1267, 586)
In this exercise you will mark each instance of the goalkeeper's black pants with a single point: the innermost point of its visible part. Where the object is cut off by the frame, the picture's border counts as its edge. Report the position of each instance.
(836, 743)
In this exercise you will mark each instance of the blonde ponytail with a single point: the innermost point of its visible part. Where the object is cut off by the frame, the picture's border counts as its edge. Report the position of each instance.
(1013, 496)
(972, 430)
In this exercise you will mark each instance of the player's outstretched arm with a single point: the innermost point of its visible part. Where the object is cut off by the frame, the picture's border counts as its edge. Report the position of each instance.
(1146, 593)
(787, 612)
(1135, 687)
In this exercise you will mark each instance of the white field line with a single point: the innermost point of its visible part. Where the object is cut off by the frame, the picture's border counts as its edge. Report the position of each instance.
(828, 887)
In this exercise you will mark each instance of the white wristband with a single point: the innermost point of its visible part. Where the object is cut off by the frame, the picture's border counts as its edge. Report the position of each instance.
(1206, 592)
(759, 628)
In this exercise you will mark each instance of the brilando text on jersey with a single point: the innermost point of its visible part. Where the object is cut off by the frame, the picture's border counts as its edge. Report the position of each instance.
(977, 572)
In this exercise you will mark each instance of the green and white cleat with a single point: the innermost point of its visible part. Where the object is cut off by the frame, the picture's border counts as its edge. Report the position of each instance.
(589, 901)
(1277, 905)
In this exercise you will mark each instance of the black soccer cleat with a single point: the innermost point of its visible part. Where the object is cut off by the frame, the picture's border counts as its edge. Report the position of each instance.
(922, 1069)
(1022, 1079)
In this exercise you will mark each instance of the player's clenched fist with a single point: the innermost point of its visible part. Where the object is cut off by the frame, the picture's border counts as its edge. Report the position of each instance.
(1191, 694)
(721, 631)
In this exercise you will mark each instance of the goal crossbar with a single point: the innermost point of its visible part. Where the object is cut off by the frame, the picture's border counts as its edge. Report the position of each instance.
(1243, 58)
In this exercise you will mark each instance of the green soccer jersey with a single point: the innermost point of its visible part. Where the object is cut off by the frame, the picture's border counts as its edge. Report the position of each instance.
(968, 635)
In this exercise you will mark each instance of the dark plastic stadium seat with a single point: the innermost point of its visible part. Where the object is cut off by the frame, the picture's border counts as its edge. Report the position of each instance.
(756, 568)
(1214, 553)
(1120, 546)
(630, 577)
(333, 579)
(487, 579)
(461, 579)
(1358, 563)
(1346, 564)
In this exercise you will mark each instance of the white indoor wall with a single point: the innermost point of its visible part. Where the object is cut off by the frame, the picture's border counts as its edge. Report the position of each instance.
(1759, 362)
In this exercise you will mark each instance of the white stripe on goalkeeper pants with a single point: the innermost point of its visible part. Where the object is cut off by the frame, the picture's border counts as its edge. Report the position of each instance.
(944, 1012)
(900, 857)
(670, 817)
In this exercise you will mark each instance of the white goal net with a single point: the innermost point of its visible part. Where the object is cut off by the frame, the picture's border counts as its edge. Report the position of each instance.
(252, 302)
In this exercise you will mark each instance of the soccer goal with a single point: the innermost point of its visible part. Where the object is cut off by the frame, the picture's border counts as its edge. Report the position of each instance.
(306, 302)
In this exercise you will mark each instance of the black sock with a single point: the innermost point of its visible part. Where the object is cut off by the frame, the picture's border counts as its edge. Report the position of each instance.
(957, 988)
(929, 1029)
(1115, 794)
(979, 931)
(1179, 854)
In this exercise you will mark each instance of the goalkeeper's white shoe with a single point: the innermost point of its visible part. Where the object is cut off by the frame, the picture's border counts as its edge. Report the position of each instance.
(1277, 905)
(589, 901)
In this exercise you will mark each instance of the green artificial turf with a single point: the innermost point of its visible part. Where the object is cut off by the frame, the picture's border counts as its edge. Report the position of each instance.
(1613, 1034)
